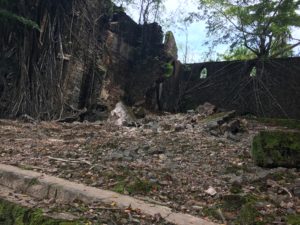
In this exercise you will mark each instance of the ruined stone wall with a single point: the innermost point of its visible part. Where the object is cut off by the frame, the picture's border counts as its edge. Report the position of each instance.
(87, 56)
(273, 91)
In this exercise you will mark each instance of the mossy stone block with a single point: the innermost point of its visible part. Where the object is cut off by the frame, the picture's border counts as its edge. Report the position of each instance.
(276, 149)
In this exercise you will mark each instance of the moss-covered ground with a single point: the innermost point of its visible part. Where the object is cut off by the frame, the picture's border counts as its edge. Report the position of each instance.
(287, 123)
(239, 209)
(13, 214)
(272, 149)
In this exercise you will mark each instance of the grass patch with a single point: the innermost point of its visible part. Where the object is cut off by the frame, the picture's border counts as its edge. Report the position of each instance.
(286, 176)
(137, 186)
(239, 210)
(236, 188)
(293, 219)
(128, 182)
(233, 203)
(13, 214)
(211, 212)
(273, 149)
(288, 123)
(247, 215)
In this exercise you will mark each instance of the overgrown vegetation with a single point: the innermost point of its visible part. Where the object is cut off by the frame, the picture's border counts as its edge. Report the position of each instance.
(168, 69)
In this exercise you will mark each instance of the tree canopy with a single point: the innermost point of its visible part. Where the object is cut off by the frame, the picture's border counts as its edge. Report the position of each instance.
(264, 27)
(7, 14)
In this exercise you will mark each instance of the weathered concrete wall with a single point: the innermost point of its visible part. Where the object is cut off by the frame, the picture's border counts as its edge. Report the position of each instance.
(273, 92)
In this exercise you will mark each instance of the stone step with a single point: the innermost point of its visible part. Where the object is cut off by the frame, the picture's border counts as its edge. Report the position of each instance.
(41, 186)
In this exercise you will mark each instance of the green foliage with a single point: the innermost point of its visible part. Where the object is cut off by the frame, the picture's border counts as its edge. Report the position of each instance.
(8, 16)
(168, 69)
(261, 26)
(238, 53)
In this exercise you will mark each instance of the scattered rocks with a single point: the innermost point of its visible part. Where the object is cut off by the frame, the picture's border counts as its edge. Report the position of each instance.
(222, 125)
(175, 155)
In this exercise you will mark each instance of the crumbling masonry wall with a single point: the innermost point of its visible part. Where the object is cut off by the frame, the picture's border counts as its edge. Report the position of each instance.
(273, 90)
(87, 56)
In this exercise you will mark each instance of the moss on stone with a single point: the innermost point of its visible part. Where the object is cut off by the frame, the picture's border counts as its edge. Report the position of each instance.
(273, 149)
(13, 214)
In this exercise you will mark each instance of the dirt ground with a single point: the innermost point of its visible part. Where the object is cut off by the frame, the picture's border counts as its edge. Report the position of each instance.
(171, 160)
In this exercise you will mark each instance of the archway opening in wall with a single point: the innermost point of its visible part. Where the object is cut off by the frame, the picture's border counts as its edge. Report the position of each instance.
(203, 73)
(253, 72)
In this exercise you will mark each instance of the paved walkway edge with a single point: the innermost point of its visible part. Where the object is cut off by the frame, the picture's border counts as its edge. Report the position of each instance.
(42, 186)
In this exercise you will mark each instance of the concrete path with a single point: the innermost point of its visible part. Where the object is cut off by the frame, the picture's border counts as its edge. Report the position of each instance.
(42, 186)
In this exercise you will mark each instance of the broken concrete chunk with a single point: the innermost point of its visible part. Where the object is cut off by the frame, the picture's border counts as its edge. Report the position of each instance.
(276, 149)
(122, 115)
(206, 109)
(211, 191)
